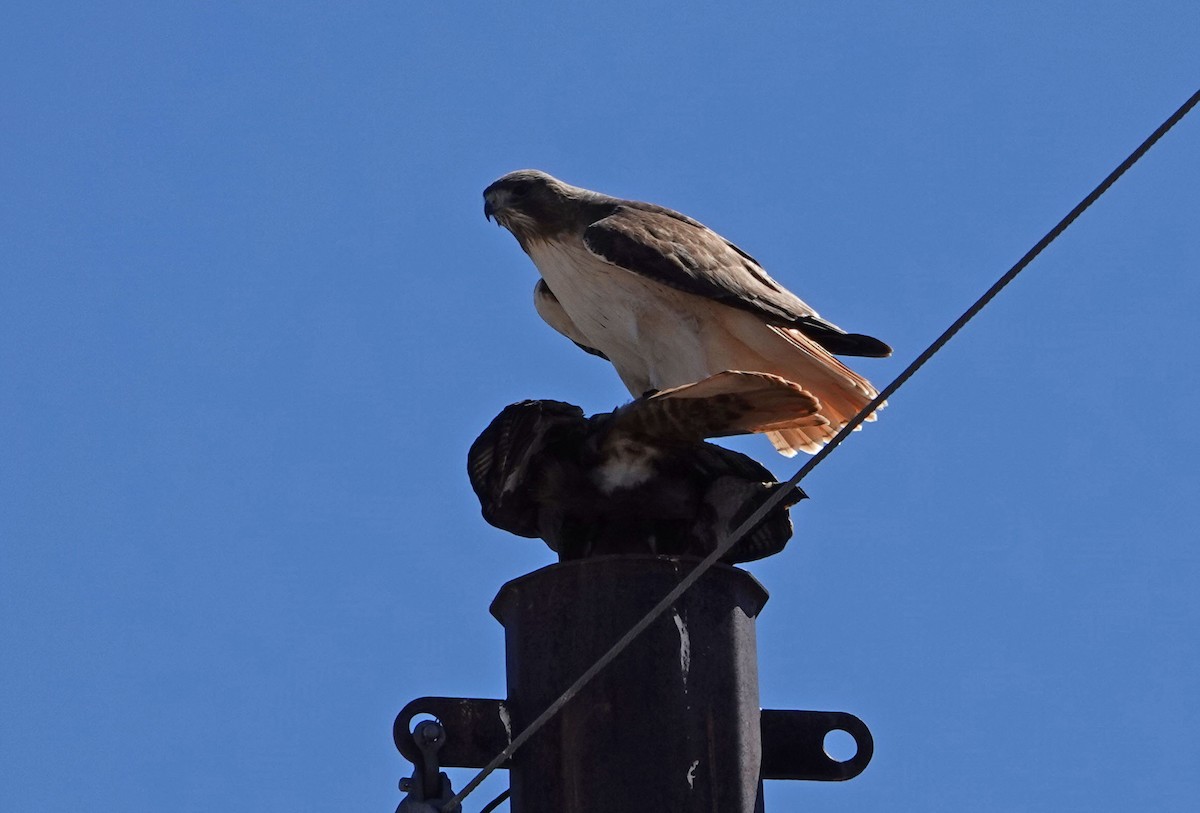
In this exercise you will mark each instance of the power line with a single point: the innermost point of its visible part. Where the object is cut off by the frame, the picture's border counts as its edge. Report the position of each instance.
(723, 547)
(495, 803)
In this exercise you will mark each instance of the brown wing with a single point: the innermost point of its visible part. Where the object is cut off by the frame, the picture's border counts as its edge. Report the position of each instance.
(728, 403)
(677, 251)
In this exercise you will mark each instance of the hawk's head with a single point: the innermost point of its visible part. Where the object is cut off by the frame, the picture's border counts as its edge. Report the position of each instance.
(536, 206)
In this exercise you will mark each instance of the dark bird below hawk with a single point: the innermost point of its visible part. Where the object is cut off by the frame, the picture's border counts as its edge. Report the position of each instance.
(669, 301)
(639, 479)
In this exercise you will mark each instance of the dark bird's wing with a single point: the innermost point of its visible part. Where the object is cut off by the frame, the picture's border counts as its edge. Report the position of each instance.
(736, 486)
(502, 463)
(732, 500)
(677, 251)
(728, 403)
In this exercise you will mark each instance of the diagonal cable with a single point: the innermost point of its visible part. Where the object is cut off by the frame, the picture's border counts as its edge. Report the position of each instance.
(771, 502)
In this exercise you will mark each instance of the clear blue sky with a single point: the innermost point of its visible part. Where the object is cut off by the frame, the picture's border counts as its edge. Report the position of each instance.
(251, 317)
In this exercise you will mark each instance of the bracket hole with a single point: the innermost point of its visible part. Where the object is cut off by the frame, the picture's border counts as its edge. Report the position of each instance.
(419, 718)
(840, 746)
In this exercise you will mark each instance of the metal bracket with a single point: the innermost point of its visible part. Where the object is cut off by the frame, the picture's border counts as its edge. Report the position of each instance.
(793, 742)
(480, 728)
(793, 745)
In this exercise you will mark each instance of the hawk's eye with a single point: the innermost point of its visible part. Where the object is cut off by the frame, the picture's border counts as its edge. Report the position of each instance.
(520, 187)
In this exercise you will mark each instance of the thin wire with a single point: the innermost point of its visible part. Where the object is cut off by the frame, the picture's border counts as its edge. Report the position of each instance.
(495, 803)
(723, 547)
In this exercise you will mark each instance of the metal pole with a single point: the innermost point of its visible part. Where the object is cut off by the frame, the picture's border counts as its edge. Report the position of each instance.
(671, 724)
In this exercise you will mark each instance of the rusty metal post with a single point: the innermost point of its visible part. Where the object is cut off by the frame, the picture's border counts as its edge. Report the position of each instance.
(671, 724)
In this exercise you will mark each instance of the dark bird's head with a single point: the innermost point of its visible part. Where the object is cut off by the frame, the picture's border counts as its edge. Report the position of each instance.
(536, 206)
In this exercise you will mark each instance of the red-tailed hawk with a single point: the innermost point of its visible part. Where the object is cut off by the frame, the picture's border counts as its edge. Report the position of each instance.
(639, 479)
(670, 302)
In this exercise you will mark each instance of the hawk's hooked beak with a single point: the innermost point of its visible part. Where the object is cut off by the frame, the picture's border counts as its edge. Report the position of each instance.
(495, 202)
